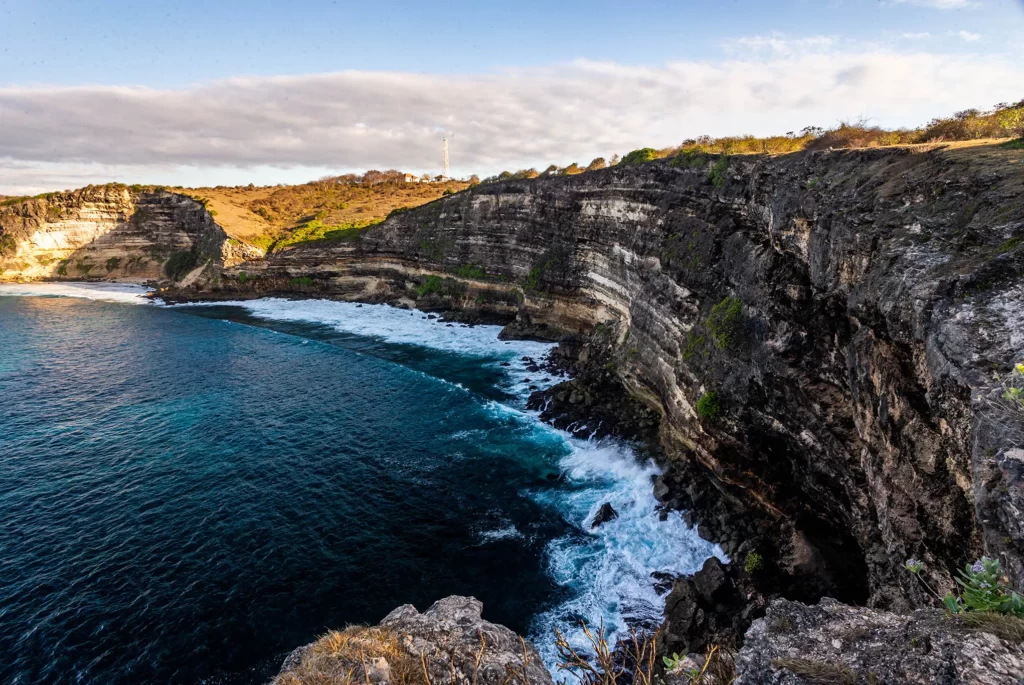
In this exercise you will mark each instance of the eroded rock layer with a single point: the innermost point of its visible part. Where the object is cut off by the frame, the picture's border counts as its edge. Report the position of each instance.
(819, 332)
(109, 233)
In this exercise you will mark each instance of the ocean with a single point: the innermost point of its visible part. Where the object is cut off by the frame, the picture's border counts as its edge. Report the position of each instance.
(189, 492)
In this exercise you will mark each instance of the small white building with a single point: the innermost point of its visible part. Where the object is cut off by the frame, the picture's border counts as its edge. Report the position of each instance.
(411, 178)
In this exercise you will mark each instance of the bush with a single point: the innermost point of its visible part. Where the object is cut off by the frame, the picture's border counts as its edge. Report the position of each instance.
(179, 264)
(470, 271)
(432, 285)
(302, 281)
(8, 245)
(724, 322)
(717, 173)
(644, 154)
(708, 406)
(113, 264)
(754, 563)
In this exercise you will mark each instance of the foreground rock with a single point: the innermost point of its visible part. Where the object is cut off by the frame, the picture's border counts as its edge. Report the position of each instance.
(835, 643)
(448, 644)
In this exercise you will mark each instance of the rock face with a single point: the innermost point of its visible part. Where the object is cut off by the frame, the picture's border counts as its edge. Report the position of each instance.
(834, 643)
(818, 333)
(450, 638)
(110, 233)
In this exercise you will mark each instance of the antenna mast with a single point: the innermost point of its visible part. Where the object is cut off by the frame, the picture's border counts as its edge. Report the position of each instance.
(444, 157)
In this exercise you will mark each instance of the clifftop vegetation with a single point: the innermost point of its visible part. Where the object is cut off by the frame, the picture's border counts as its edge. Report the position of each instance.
(1001, 122)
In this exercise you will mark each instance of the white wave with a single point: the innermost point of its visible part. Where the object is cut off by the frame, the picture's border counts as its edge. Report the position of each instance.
(106, 292)
(409, 327)
(509, 532)
(608, 569)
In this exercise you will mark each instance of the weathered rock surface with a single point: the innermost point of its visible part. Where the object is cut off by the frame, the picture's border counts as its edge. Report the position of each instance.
(452, 639)
(841, 313)
(835, 643)
(111, 233)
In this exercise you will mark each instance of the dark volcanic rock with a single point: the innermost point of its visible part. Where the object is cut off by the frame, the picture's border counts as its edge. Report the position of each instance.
(714, 606)
(605, 514)
(814, 338)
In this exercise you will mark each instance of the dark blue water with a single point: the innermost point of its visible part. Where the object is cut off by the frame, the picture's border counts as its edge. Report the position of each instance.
(186, 498)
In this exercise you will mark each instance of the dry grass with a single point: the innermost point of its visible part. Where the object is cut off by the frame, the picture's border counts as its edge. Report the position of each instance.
(818, 671)
(633, 664)
(263, 216)
(1008, 628)
(350, 657)
(341, 658)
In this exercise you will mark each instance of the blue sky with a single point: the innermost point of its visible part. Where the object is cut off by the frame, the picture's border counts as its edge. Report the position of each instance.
(202, 92)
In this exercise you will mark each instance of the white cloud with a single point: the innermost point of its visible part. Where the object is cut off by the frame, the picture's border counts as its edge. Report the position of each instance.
(916, 36)
(939, 4)
(280, 128)
(968, 37)
(780, 44)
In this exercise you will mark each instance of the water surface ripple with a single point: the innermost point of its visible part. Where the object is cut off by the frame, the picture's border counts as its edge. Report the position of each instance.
(187, 493)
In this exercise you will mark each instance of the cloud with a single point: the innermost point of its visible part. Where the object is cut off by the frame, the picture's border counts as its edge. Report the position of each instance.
(968, 37)
(244, 129)
(780, 44)
(921, 35)
(939, 4)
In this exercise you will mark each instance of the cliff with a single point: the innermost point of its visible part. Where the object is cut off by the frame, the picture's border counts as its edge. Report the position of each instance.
(819, 332)
(111, 233)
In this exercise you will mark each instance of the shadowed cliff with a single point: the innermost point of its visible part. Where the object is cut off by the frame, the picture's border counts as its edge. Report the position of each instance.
(820, 332)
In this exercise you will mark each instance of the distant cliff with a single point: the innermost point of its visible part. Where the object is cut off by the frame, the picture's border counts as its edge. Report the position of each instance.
(111, 233)
(820, 332)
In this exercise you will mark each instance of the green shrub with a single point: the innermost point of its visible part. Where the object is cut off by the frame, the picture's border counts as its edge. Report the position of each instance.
(243, 277)
(532, 282)
(432, 285)
(8, 245)
(724, 322)
(754, 563)
(113, 264)
(179, 264)
(301, 281)
(708, 406)
(717, 173)
(470, 271)
(644, 154)
(689, 159)
(62, 267)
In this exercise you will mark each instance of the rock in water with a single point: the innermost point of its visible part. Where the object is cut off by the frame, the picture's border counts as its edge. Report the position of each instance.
(605, 514)
(450, 639)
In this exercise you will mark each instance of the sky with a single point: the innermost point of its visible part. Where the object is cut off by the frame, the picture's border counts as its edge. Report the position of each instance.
(207, 93)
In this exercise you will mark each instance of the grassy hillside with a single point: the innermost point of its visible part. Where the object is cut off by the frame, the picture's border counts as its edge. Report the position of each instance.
(331, 208)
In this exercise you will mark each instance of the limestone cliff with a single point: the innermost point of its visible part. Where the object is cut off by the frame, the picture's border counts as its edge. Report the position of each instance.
(109, 233)
(819, 331)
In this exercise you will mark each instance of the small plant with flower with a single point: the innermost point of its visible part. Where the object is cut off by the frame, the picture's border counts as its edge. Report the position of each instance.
(983, 588)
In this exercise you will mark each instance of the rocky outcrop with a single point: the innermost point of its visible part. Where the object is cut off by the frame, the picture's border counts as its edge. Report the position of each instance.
(818, 333)
(796, 644)
(448, 644)
(112, 233)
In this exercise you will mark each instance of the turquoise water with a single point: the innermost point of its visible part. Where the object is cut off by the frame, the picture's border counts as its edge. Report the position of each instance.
(190, 492)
